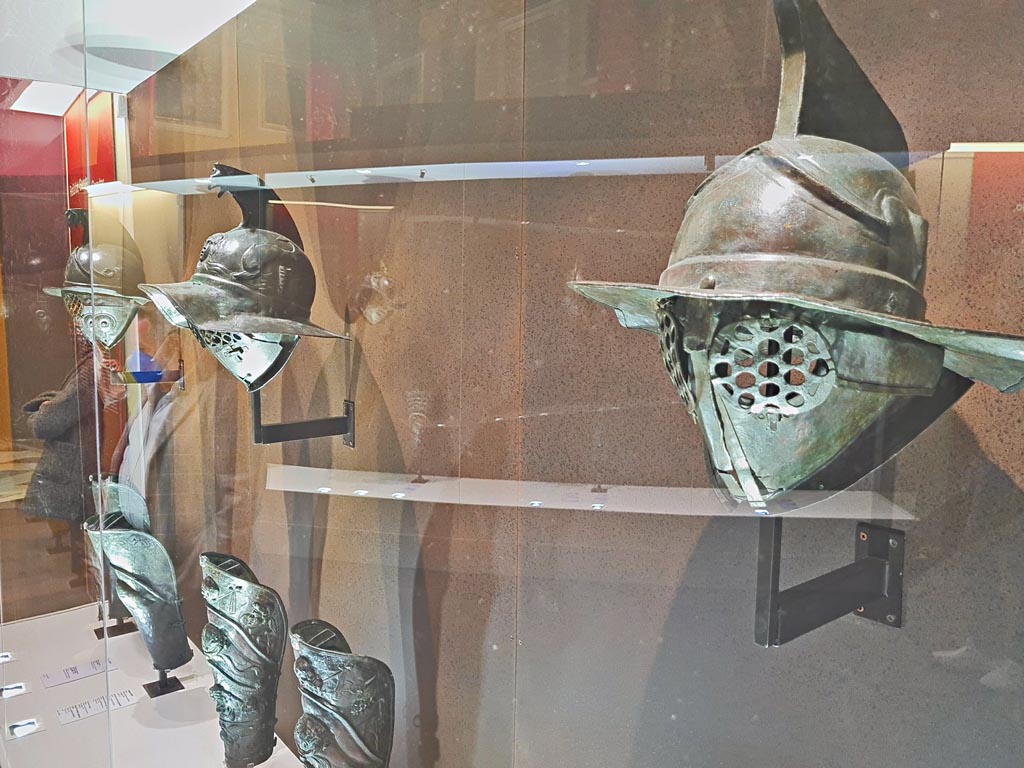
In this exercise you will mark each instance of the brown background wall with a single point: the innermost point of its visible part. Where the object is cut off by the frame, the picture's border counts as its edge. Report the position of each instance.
(551, 638)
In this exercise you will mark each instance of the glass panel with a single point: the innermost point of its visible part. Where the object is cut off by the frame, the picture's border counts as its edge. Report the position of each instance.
(53, 392)
(375, 485)
(636, 630)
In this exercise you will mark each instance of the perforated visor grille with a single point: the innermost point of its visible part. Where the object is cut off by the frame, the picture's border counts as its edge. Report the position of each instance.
(767, 365)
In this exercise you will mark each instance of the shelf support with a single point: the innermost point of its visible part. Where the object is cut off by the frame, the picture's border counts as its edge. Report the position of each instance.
(333, 426)
(871, 586)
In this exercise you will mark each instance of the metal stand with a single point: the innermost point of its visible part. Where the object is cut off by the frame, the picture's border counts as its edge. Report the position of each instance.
(118, 628)
(871, 586)
(163, 686)
(334, 426)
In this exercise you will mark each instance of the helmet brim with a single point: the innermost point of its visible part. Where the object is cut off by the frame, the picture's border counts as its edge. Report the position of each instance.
(210, 307)
(993, 358)
(88, 290)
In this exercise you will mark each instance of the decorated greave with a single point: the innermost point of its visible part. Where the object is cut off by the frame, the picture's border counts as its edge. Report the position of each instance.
(99, 569)
(348, 701)
(144, 580)
(244, 642)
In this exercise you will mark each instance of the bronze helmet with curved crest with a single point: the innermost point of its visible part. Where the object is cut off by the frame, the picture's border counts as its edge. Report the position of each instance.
(249, 300)
(792, 314)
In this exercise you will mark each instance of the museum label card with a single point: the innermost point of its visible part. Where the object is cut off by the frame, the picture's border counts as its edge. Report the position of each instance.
(76, 672)
(97, 706)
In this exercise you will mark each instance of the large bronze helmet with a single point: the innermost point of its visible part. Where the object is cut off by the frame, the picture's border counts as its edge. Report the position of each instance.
(791, 314)
(250, 297)
(101, 284)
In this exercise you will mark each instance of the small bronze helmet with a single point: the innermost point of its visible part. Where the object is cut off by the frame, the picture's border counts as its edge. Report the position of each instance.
(791, 315)
(249, 300)
(101, 285)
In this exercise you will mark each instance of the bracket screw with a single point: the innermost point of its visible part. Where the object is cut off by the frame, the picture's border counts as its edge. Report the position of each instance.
(863, 535)
(891, 618)
(893, 543)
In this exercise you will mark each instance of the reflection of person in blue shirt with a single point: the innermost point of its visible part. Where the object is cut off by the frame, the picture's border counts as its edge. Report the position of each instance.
(143, 368)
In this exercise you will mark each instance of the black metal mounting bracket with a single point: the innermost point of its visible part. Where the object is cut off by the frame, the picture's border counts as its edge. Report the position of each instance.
(870, 587)
(333, 426)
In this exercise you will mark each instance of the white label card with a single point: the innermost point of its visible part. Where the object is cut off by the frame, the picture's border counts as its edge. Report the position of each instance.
(76, 672)
(97, 706)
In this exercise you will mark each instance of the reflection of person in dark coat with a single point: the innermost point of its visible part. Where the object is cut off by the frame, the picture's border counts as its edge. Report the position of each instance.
(59, 490)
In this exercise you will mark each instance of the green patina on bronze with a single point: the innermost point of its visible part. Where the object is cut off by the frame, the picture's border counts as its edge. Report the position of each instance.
(791, 314)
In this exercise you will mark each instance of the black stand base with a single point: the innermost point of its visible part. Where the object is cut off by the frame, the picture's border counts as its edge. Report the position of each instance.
(120, 627)
(163, 686)
(870, 587)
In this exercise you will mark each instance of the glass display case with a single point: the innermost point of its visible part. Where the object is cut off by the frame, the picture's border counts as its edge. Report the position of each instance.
(335, 422)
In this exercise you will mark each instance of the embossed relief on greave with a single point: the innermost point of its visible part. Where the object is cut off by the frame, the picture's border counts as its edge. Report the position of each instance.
(244, 643)
(348, 701)
(143, 576)
(145, 581)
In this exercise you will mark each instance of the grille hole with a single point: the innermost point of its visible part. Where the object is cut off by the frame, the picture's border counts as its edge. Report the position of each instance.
(768, 369)
(769, 390)
(744, 357)
(819, 368)
(746, 400)
(746, 380)
(795, 378)
(743, 333)
(768, 348)
(722, 370)
(793, 356)
(795, 399)
(728, 388)
(793, 334)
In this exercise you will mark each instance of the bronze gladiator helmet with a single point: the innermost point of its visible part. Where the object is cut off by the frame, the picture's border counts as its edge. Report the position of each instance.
(791, 315)
(250, 297)
(101, 284)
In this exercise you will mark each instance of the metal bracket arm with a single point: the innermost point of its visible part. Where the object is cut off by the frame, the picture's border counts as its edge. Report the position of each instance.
(871, 586)
(333, 426)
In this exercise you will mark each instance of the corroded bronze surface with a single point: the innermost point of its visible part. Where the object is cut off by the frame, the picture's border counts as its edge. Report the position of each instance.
(244, 642)
(101, 285)
(348, 701)
(145, 581)
(791, 313)
(250, 297)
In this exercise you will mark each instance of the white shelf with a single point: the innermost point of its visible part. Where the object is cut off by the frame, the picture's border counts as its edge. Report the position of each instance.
(635, 499)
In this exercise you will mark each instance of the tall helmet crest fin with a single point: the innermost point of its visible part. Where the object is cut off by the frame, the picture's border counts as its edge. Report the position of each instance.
(261, 206)
(825, 92)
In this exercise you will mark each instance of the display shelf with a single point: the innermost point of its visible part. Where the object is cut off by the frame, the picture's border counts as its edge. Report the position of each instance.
(638, 499)
(174, 730)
